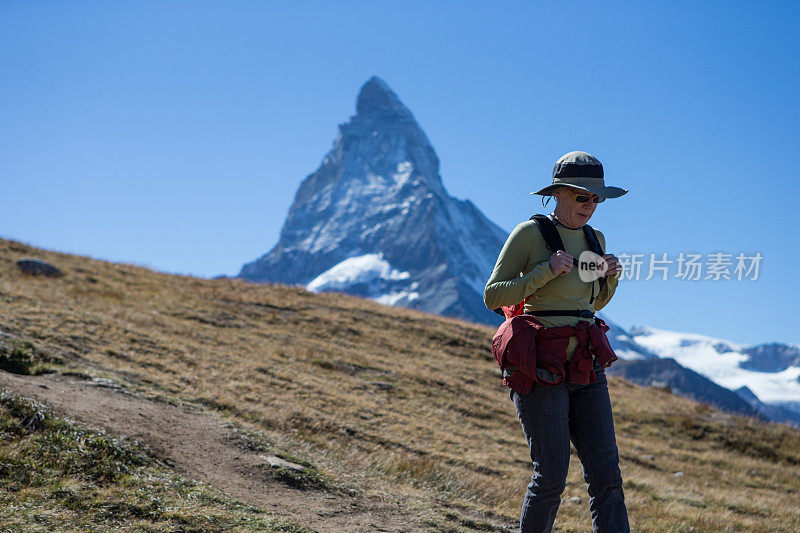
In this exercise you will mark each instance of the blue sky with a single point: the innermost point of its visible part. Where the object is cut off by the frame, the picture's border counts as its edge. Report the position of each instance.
(174, 134)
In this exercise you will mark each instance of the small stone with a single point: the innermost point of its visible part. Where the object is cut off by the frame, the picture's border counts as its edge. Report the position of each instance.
(277, 462)
(647, 458)
(105, 382)
(678, 474)
(574, 499)
(38, 267)
(382, 385)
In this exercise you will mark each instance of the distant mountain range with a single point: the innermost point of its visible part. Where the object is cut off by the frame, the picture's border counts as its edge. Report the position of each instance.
(374, 220)
(761, 380)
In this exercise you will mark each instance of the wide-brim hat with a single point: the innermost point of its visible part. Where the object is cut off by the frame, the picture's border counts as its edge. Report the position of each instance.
(580, 170)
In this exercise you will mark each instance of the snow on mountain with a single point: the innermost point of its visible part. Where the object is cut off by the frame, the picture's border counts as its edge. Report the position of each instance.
(377, 206)
(730, 365)
(361, 269)
(370, 276)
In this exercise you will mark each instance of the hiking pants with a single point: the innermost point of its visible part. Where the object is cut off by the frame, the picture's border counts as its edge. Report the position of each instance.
(551, 417)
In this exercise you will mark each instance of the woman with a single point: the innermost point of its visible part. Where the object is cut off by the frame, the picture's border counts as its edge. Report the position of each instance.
(551, 416)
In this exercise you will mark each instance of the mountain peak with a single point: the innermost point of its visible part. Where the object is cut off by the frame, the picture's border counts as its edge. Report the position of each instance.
(377, 99)
(375, 220)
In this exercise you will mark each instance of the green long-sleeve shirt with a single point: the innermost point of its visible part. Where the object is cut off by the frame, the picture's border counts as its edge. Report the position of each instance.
(525, 252)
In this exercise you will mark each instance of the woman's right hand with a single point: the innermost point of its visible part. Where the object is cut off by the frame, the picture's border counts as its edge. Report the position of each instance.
(561, 262)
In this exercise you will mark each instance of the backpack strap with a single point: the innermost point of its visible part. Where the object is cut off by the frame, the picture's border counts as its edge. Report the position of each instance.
(548, 229)
(594, 245)
(591, 238)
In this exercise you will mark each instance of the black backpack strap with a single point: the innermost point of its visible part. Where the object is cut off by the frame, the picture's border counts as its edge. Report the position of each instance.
(591, 238)
(594, 245)
(551, 237)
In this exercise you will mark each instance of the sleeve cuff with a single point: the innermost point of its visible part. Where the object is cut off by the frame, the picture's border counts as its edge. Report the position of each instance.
(539, 276)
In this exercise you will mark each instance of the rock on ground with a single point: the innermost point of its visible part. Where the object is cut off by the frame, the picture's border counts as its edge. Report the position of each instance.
(37, 267)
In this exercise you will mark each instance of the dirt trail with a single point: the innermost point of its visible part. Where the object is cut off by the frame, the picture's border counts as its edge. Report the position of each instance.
(201, 448)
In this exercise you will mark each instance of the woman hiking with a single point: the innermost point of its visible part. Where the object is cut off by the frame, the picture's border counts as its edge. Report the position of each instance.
(560, 392)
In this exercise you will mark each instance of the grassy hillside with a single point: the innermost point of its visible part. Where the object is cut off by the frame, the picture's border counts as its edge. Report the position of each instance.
(391, 401)
(55, 476)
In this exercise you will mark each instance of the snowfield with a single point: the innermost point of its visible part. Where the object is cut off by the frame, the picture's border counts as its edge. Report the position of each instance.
(360, 269)
(719, 360)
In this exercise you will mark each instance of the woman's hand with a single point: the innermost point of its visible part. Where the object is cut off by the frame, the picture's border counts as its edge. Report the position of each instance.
(613, 264)
(561, 262)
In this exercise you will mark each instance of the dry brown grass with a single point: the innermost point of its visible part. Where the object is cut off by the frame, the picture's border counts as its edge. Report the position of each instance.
(389, 400)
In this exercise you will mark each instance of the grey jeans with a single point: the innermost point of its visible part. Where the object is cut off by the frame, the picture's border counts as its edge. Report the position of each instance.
(550, 418)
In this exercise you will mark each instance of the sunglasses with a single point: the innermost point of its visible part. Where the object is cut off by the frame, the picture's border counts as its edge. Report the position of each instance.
(581, 198)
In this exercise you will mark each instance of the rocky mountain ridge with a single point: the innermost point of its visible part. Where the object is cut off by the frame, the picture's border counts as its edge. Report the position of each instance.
(375, 220)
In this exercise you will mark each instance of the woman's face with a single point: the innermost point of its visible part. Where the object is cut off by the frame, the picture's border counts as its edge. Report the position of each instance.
(571, 212)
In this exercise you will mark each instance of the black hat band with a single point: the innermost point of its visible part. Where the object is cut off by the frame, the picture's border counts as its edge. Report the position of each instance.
(577, 170)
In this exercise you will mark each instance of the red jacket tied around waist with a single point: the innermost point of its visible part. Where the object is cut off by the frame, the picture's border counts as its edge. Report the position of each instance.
(524, 343)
